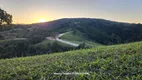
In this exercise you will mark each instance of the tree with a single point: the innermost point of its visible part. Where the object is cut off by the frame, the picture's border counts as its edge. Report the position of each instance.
(81, 46)
(1, 37)
(5, 18)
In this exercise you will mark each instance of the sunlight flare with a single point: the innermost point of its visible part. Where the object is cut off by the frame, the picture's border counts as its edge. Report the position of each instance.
(42, 20)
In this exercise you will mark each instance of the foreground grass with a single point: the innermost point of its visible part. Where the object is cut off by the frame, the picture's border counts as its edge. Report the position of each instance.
(117, 62)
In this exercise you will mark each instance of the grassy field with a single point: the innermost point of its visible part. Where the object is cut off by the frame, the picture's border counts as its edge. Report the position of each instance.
(116, 62)
(10, 41)
(78, 38)
(15, 33)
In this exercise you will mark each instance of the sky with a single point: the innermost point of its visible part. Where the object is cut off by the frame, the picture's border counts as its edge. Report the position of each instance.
(31, 11)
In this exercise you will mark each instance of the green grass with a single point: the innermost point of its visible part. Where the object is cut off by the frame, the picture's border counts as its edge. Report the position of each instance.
(116, 62)
(43, 43)
(79, 38)
(1, 41)
(10, 41)
(15, 33)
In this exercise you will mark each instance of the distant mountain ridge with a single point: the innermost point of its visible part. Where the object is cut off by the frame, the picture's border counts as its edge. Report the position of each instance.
(97, 30)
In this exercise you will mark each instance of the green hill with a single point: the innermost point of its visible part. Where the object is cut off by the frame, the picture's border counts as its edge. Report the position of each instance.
(116, 62)
(100, 31)
(97, 30)
(79, 38)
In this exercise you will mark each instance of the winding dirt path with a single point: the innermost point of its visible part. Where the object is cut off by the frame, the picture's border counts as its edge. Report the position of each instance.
(63, 41)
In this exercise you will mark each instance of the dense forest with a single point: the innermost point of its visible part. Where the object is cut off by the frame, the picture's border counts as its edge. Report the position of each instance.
(20, 48)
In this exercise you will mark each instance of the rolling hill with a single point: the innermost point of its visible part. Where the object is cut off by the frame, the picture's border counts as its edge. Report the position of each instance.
(97, 30)
(100, 31)
(116, 62)
(88, 32)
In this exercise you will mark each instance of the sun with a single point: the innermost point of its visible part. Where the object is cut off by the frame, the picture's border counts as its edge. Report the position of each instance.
(42, 20)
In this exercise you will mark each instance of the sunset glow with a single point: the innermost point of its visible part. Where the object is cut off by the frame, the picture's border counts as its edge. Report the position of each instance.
(42, 20)
(31, 11)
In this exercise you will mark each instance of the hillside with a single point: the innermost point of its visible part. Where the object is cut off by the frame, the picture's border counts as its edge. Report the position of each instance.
(79, 38)
(100, 31)
(97, 30)
(116, 62)
(85, 32)
(21, 47)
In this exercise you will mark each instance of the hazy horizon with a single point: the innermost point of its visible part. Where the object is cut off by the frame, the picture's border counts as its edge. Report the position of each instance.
(33, 11)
